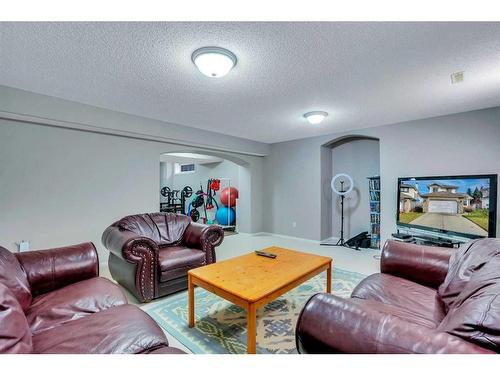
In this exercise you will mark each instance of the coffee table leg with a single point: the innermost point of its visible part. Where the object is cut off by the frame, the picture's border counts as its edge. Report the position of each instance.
(251, 329)
(329, 279)
(190, 301)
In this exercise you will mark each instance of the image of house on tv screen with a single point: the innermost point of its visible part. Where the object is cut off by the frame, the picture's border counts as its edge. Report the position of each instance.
(460, 206)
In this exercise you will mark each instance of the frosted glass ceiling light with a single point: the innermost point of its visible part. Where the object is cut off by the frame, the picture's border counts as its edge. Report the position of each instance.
(315, 117)
(214, 62)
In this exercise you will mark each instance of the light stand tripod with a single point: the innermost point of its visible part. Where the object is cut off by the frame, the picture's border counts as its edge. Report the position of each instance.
(341, 241)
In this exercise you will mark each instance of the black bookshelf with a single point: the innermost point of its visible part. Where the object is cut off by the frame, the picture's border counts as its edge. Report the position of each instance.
(374, 189)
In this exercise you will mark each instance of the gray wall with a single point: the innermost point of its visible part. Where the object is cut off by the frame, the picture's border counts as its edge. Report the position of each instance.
(465, 143)
(293, 189)
(61, 186)
(80, 116)
(166, 177)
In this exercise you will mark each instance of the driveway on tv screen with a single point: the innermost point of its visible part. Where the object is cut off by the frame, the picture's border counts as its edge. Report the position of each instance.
(453, 222)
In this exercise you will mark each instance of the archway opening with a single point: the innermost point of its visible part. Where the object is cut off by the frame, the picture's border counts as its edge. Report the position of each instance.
(186, 174)
(359, 157)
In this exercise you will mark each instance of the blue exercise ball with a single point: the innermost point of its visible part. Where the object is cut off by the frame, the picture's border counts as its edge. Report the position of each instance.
(225, 215)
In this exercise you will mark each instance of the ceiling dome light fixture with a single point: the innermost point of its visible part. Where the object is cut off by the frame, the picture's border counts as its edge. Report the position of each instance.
(315, 117)
(214, 62)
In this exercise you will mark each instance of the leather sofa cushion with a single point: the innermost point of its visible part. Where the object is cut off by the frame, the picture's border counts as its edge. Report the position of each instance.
(176, 261)
(73, 302)
(330, 324)
(475, 312)
(162, 228)
(464, 262)
(400, 312)
(122, 329)
(15, 335)
(13, 276)
(417, 299)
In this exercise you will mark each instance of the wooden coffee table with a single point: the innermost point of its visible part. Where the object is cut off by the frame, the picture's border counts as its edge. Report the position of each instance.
(251, 281)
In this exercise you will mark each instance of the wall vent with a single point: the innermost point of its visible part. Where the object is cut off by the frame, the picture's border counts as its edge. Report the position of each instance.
(184, 168)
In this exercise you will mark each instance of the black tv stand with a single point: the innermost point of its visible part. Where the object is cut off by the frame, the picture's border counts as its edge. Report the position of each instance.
(422, 239)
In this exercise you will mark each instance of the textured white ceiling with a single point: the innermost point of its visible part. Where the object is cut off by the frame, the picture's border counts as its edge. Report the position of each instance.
(363, 74)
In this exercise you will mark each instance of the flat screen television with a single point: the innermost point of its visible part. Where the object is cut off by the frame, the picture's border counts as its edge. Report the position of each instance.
(462, 206)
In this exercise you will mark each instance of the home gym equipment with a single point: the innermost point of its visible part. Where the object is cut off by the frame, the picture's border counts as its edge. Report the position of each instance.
(213, 185)
(215, 205)
(197, 201)
(225, 216)
(341, 185)
(228, 196)
(187, 191)
(165, 191)
(194, 214)
(176, 199)
(204, 204)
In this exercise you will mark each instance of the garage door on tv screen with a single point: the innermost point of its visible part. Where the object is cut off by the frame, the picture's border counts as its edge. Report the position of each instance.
(457, 205)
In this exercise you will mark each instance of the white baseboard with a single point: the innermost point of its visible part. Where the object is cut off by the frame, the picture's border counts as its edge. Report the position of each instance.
(254, 234)
(330, 240)
(284, 236)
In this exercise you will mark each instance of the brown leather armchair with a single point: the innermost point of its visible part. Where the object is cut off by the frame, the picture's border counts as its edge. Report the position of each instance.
(52, 301)
(425, 300)
(150, 254)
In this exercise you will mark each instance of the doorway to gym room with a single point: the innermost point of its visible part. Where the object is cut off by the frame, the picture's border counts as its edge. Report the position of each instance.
(204, 187)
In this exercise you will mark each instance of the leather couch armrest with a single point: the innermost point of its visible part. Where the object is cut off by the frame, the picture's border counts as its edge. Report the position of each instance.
(52, 269)
(140, 251)
(426, 265)
(121, 242)
(330, 324)
(203, 237)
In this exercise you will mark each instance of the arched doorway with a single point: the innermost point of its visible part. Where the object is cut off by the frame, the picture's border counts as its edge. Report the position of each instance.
(358, 156)
(231, 169)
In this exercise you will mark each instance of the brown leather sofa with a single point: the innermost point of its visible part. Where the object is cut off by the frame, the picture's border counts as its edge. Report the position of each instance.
(150, 254)
(425, 300)
(52, 301)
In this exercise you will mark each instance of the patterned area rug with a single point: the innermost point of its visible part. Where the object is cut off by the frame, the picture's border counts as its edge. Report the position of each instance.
(221, 326)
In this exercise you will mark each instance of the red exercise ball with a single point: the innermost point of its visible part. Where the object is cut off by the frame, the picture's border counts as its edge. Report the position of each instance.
(228, 196)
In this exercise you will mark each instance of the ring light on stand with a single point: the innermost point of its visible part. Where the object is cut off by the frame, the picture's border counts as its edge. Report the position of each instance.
(342, 193)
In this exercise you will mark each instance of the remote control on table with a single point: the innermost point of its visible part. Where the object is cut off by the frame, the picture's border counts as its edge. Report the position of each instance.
(264, 254)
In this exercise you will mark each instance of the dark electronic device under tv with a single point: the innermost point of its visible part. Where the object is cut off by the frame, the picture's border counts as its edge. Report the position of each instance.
(447, 204)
